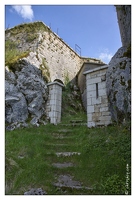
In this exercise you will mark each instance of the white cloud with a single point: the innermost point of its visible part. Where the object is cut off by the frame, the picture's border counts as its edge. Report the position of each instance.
(26, 12)
(105, 55)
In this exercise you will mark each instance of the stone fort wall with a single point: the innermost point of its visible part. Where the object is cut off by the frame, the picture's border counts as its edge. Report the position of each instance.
(48, 52)
(62, 61)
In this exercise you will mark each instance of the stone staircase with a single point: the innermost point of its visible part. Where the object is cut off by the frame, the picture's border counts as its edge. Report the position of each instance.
(64, 181)
(75, 122)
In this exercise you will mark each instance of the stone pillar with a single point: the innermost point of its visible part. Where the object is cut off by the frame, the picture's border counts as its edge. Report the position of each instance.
(54, 102)
(97, 101)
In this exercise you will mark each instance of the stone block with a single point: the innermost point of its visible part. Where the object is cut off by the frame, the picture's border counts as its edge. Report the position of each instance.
(102, 85)
(50, 114)
(90, 124)
(103, 105)
(96, 114)
(89, 101)
(58, 103)
(89, 117)
(52, 102)
(103, 77)
(107, 122)
(104, 99)
(106, 113)
(105, 118)
(96, 117)
(94, 80)
(91, 87)
(53, 121)
(91, 94)
(58, 108)
(53, 108)
(96, 100)
(101, 123)
(102, 92)
(90, 109)
(87, 77)
(97, 108)
(104, 109)
(94, 74)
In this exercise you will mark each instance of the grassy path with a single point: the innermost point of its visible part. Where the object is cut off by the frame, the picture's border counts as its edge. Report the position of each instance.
(31, 160)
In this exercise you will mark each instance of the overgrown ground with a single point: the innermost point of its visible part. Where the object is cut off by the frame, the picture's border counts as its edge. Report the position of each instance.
(102, 165)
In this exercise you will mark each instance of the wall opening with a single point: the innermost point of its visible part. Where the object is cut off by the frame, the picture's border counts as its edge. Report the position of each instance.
(97, 93)
(58, 80)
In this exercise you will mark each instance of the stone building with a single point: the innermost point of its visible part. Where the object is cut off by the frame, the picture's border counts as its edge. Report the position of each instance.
(97, 101)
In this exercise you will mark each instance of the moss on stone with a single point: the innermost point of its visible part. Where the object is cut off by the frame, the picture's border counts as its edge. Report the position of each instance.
(114, 96)
(128, 52)
(14, 62)
(122, 82)
(123, 64)
(45, 70)
(129, 85)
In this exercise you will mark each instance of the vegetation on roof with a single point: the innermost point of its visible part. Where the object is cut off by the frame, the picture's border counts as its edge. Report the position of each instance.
(27, 27)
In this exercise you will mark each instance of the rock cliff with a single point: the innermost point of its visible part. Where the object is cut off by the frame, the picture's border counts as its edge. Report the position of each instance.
(119, 70)
(26, 95)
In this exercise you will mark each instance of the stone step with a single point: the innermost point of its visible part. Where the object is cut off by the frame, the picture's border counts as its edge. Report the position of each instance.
(65, 181)
(59, 136)
(76, 121)
(64, 131)
(66, 154)
(74, 124)
(51, 144)
(63, 165)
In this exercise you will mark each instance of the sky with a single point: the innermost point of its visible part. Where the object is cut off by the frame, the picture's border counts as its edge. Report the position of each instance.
(94, 28)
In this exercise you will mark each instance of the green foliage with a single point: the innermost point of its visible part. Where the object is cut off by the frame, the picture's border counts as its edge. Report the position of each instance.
(31, 37)
(113, 185)
(28, 28)
(66, 79)
(45, 70)
(105, 152)
(26, 32)
(12, 54)
(128, 52)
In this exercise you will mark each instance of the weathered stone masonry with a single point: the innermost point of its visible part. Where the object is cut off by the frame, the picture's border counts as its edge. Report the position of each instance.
(97, 102)
(53, 109)
(58, 61)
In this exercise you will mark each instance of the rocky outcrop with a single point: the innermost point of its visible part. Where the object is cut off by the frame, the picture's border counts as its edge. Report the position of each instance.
(119, 85)
(35, 191)
(124, 21)
(26, 94)
(118, 75)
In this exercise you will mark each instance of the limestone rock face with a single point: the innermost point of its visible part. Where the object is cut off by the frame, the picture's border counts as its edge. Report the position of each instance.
(119, 71)
(119, 85)
(26, 93)
(124, 21)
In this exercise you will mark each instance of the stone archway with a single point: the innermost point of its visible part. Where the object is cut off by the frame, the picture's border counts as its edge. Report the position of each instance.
(58, 80)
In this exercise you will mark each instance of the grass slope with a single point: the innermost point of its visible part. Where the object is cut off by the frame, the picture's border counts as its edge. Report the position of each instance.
(105, 153)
